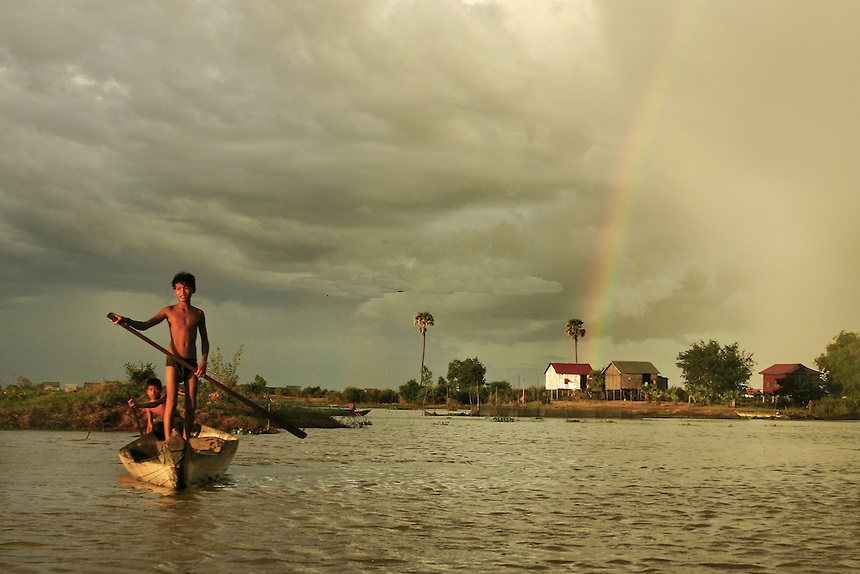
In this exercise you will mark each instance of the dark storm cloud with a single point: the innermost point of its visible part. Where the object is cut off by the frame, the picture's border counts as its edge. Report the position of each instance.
(329, 169)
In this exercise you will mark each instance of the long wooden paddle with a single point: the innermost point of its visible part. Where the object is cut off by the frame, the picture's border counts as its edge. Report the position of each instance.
(134, 413)
(283, 423)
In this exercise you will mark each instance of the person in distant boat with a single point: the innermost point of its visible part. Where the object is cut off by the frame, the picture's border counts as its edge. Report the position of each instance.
(186, 322)
(155, 407)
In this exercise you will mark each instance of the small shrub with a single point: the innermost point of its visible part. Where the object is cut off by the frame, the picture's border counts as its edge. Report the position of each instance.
(837, 408)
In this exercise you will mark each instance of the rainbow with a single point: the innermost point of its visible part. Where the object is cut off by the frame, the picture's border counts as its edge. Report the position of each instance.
(606, 272)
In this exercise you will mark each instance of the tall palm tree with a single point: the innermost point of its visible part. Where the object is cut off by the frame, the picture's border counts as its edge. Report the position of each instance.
(423, 320)
(574, 330)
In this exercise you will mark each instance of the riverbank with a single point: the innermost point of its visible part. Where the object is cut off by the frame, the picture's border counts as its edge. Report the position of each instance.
(598, 409)
(104, 408)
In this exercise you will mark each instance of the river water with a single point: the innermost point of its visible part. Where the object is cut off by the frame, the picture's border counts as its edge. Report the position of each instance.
(461, 494)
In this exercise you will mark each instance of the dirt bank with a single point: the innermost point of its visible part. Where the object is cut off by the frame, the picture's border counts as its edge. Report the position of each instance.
(629, 410)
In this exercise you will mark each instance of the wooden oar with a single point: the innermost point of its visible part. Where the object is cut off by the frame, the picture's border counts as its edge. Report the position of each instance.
(134, 412)
(283, 423)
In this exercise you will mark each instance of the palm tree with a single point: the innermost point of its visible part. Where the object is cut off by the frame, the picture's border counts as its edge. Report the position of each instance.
(423, 320)
(574, 330)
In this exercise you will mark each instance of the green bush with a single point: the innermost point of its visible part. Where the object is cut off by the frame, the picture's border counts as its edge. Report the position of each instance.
(837, 408)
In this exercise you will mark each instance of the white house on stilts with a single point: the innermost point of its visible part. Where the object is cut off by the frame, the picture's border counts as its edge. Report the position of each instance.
(566, 379)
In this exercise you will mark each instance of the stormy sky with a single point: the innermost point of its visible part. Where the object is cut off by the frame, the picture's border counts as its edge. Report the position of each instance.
(666, 171)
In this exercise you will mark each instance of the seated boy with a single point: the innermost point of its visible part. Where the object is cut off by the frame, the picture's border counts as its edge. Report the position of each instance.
(155, 408)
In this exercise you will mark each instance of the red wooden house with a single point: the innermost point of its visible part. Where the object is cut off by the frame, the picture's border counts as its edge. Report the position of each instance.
(772, 374)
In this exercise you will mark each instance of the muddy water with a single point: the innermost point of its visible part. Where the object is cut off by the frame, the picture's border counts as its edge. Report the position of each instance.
(430, 494)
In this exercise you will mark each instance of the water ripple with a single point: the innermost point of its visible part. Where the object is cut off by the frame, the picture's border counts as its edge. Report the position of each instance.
(408, 495)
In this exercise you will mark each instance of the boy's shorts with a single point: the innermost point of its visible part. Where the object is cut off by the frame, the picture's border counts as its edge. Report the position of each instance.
(181, 370)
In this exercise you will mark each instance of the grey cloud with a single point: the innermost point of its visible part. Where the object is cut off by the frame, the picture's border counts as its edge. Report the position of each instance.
(319, 164)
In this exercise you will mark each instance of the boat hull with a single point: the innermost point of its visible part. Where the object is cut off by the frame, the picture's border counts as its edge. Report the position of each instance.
(199, 460)
(763, 416)
(341, 411)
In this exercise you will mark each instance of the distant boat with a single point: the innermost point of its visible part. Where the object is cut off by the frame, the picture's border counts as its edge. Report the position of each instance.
(766, 416)
(347, 416)
(179, 464)
(343, 412)
(434, 413)
(340, 411)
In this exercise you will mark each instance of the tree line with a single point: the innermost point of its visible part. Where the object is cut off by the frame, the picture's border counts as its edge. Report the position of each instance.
(464, 384)
(713, 372)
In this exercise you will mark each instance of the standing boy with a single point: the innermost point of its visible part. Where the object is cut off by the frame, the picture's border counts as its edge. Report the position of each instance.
(185, 322)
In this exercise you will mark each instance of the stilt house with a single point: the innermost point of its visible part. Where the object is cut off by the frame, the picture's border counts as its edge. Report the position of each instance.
(771, 375)
(566, 378)
(630, 379)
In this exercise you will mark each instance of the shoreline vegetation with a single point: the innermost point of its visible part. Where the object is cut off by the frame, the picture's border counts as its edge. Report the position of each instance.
(627, 409)
(103, 407)
(619, 409)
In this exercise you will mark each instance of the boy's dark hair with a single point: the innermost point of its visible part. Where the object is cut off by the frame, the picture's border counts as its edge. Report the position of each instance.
(155, 382)
(186, 279)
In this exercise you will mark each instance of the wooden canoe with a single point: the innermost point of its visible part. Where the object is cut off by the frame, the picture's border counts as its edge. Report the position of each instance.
(760, 415)
(178, 464)
(339, 411)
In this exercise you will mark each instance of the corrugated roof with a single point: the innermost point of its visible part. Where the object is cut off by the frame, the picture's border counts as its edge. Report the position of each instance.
(570, 368)
(786, 369)
(634, 367)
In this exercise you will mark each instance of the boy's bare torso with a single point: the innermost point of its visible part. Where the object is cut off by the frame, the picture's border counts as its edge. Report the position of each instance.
(184, 321)
(157, 411)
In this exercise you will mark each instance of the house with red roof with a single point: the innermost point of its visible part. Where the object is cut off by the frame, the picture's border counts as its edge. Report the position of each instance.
(772, 374)
(566, 377)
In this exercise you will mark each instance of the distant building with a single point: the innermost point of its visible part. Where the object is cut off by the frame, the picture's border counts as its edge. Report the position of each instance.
(628, 379)
(772, 374)
(567, 377)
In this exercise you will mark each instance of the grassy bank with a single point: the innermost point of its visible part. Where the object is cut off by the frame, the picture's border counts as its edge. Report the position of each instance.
(104, 408)
(591, 409)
